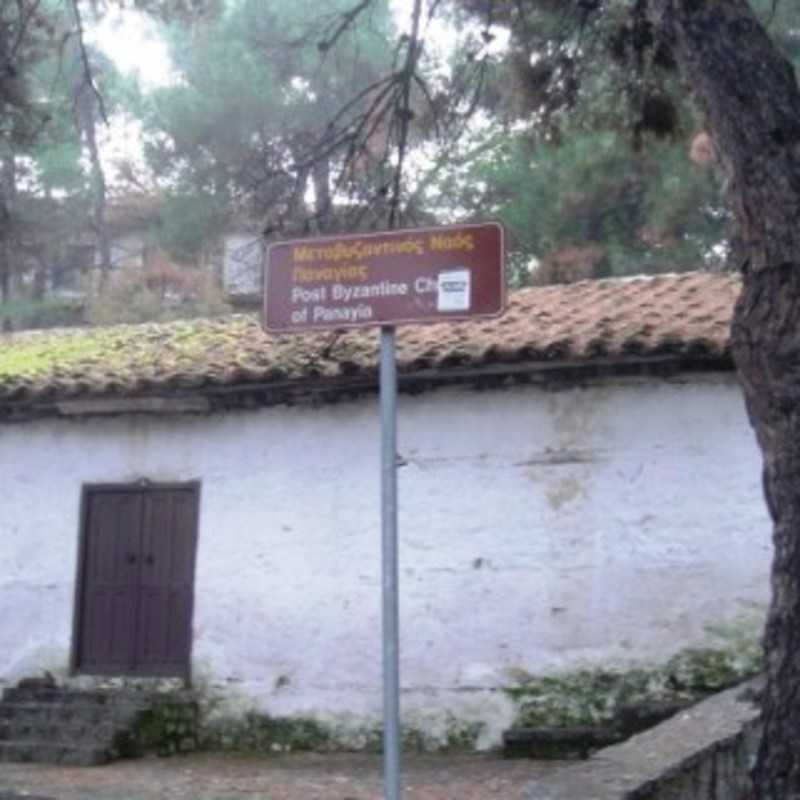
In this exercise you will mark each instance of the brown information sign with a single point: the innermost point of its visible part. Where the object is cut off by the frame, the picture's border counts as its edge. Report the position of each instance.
(414, 275)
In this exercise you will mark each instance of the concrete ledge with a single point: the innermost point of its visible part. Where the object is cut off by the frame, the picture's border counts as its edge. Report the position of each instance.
(703, 753)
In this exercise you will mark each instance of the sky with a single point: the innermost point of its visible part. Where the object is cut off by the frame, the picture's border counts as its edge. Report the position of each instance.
(131, 40)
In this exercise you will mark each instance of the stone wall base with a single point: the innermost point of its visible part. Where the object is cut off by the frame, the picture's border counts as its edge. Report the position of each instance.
(703, 753)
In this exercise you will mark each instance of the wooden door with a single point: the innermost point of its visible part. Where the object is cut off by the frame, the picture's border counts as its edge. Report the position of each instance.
(137, 587)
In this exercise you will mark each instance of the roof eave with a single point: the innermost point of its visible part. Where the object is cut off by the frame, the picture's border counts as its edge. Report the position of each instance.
(250, 395)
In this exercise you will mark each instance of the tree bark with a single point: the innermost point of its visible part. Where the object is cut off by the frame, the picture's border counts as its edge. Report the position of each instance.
(750, 95)
(89, 107)
(8, 200)
(323, 207)
(86, 107)
(99, 206)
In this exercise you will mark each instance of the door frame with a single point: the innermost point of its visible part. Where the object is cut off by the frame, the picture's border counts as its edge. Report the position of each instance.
(141, 485)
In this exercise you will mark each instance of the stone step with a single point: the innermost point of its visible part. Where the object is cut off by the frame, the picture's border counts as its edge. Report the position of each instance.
(53, 753)
(101, 733)
(88, 714)
(63, 726)
(50, 712)
(97, 697)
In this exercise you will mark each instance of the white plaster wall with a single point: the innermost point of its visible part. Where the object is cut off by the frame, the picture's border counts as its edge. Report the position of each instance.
(540, 531)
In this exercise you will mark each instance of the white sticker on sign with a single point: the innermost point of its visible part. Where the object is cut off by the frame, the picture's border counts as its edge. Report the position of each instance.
(454, 290)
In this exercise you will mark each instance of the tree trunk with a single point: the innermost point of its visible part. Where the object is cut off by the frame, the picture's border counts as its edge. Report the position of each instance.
(321, 175)
(295, 216)
(750, 95)
(8, 198)
(99, 193)
(88, 109)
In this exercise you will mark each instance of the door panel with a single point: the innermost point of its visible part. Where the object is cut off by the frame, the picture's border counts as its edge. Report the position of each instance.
(138, 581)
(110, 581)
(168, 550)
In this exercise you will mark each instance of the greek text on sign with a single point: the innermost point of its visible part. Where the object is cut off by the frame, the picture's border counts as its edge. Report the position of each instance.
(416, 275)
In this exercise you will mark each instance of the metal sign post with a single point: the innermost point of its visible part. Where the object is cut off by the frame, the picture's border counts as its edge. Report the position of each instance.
(440, 274)
(391, 614)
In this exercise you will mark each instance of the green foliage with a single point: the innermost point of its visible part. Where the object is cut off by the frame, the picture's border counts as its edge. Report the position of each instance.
(782, 19)
(630, 212)
(596, 697)
(581, 147)
(28, 312)
(232, 136)
(50, 181)
(261, 733)
(585, 155)
(57, 164)
(187, 221)
(286, 735)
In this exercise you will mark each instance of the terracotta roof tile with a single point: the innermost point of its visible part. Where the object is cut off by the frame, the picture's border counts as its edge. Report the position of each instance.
(682, 315)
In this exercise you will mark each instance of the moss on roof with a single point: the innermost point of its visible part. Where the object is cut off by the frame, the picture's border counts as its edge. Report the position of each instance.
(115, 350)
(39, 356)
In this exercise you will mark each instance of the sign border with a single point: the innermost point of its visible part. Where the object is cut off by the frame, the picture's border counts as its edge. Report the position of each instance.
(455, 317)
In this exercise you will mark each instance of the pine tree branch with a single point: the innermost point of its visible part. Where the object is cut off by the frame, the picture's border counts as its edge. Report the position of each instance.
(347, 20)
(88, 74)
(403, 113)
(26, 13)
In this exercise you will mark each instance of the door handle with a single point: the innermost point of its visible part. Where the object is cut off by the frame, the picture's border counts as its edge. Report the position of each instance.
(150, 560)
(131, 559)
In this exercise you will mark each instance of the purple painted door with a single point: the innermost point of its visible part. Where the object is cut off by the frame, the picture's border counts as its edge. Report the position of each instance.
(138, 581)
